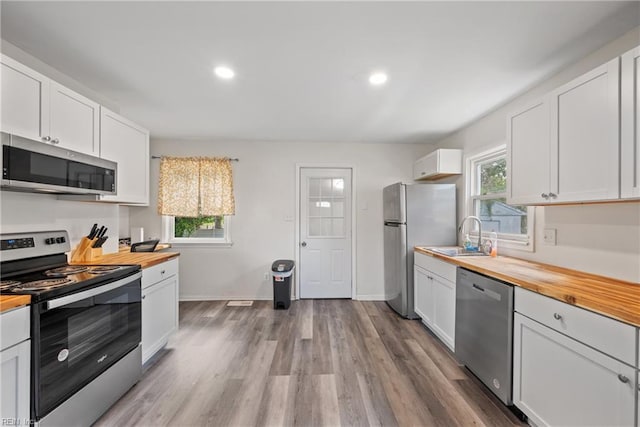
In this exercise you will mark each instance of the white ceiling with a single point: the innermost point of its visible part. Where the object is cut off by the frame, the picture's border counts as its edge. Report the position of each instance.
(302, 67)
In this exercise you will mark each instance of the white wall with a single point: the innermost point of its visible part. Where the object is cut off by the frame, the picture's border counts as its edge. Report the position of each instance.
(21, 212)
(601, 239)
(264, 181)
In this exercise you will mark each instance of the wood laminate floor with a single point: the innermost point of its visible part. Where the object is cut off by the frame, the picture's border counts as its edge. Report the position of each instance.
(322, 362)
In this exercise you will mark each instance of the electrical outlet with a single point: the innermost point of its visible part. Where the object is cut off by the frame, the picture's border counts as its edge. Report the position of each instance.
(550, 237)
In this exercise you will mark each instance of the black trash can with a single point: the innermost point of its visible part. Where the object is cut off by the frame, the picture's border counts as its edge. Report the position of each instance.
(282, 272)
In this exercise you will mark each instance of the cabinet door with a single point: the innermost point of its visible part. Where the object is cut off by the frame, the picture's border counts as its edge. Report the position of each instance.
(444, 310)
(74, 120)
(14, 399)
(426, 166)
(528, 154)
(24, 99)
(159, 315)
(561, 382)
(630, 125)
(585, 138)
(126, 143)
(423, 294)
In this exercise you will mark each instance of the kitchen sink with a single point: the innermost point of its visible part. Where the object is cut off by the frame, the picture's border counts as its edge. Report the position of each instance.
(456, 252)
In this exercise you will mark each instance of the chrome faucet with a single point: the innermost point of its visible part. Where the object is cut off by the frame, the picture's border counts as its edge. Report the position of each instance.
(479, 228)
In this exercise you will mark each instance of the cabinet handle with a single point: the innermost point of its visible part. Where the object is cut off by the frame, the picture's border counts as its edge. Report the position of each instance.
(144, 296)
(623, 379)
(46, 138)
(423, 173)
(544, 195)
(553, 195)
(557, 316)
(55, 141)
(161, 271)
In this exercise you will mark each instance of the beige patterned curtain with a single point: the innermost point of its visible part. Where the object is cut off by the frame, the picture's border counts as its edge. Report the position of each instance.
(194, 186)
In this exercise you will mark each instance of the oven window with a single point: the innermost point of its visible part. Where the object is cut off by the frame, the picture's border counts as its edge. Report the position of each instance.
(81, 340)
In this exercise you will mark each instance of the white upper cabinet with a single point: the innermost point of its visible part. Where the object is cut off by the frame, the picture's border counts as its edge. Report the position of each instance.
(74, 120)
(585, 137)
(24, 96)
(564, 148)
(36, 107)
(438, 164)
(630, 125)
(126, 143)
(528, 153)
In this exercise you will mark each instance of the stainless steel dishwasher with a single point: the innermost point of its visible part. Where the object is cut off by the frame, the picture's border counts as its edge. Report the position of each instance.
(484, 330)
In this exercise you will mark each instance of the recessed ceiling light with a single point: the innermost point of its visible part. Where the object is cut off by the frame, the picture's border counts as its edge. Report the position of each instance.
(224, 72)
(378, 79)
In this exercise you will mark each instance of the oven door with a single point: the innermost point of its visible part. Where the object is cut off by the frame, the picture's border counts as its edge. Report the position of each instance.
(77, 337)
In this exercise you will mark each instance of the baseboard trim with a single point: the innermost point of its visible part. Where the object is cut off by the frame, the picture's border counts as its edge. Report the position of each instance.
(222, 298)
(371, 298)
(245, 297)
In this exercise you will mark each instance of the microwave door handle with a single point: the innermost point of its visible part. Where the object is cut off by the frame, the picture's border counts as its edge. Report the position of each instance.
(69, 299)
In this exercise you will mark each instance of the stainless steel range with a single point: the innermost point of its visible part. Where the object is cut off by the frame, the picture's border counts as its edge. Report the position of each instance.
(85, 327)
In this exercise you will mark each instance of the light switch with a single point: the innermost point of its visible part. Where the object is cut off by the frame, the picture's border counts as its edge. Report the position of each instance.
(550, 236)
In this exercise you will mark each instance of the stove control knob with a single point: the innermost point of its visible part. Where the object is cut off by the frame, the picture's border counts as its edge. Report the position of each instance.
(60, 240)
(49, 241)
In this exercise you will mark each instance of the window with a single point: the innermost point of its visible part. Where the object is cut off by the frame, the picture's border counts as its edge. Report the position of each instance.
(487, 199)
(206, 230)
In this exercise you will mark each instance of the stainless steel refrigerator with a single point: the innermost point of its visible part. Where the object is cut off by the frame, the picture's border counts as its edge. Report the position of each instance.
(414, 215)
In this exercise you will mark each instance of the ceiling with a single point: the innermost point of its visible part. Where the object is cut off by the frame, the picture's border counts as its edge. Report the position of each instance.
(302, 67)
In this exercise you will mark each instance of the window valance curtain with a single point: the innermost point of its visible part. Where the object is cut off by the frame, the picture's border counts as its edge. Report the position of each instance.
(195, 186)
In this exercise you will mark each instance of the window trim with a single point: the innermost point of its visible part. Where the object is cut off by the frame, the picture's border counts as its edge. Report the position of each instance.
(520, 242)
(168, 232)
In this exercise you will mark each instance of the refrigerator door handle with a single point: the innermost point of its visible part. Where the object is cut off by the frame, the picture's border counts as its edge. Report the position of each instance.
(393, 224)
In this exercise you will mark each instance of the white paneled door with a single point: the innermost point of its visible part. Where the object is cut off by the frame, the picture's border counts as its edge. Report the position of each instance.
(325, 233)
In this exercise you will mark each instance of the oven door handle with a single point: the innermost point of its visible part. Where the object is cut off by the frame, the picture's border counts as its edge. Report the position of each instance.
(59, 302)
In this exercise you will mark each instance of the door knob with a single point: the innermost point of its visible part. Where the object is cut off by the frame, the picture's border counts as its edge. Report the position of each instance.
(303, 244)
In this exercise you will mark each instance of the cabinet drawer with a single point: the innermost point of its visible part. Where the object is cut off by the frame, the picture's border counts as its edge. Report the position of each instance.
(14, 326)
(602, 333)
(434, 265)
(159, 272)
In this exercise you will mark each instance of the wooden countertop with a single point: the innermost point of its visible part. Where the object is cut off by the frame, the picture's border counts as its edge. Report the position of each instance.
(610, 297)
(145, 259)
(7, 302)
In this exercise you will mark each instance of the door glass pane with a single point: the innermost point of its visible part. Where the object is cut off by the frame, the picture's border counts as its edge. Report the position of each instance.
(338, 227)
(315, 227)
(496, 215)
(314, 187)
(493, 176)
(337, 208)
(325, 186)
(338, 187)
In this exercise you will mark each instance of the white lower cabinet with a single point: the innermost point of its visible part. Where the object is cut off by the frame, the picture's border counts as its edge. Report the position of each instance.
(435, 296)
(15, 360)
(159, 306)
(559, 381)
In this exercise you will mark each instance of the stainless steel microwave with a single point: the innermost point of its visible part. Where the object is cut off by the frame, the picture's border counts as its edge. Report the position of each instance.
(34, 166)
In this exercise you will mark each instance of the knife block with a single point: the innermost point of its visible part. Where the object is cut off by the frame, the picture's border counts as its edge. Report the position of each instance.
(84, 253)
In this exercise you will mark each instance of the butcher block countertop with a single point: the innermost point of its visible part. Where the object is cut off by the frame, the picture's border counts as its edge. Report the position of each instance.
(145, 259)
(7, 302)
(610, 297)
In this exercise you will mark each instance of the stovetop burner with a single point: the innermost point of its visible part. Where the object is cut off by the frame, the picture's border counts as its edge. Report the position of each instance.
(66, 270)
(46, 284)
(8, 284)
(104, 269)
